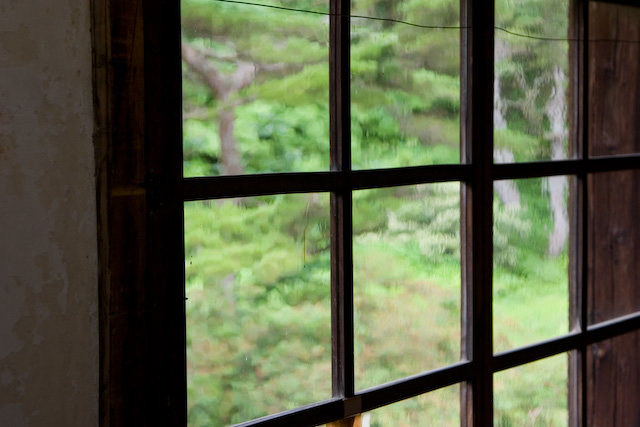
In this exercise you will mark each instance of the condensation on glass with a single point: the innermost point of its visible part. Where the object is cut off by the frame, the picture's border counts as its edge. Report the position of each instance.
(405, 83)
(530, 256)
(531, 81)
(534, 394)
(406, 258)
(258, 311)
(255, 88)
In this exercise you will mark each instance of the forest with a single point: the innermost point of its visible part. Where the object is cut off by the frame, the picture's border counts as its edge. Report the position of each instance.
(256, 100)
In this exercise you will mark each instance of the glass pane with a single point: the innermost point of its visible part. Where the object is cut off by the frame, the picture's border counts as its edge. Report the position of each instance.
(255, 87)
(437, 408)
(612, 381)
(406, 252)
(532, 395)
(405, 91)
(614, 85)
(531, 80)
(614, 245)
(530, 255)
(258, 308)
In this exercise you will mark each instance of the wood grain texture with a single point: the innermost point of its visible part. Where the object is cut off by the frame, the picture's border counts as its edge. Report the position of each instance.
(138, 160)
(342, 341)
(476, 219)
(613, 371)
(118, 101)
(614, 87)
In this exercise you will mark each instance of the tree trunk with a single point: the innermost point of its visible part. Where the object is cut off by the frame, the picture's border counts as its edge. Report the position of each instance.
(557, 185)
(222, 86)
(228, 150)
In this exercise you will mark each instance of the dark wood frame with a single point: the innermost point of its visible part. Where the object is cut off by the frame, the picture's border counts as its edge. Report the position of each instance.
(140, 215)
(137, 80)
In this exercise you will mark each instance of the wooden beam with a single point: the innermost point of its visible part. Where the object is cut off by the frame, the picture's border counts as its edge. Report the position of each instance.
(612, 369)
(137, 81)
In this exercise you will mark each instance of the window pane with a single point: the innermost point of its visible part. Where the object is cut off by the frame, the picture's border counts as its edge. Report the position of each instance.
(612, 381)
(614, 66)
(614, 245)
(530, 276)
(406, 256)
(405, 81)
(531, 81)
(258, 308)
(532, 395)
(438, 408)
(255, 87)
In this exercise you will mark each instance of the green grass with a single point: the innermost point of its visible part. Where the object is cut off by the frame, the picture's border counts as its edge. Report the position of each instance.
(258, 315)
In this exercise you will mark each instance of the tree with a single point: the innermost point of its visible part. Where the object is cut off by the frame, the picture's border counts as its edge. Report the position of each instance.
(223, 86)
(251, 55)
(256, 85)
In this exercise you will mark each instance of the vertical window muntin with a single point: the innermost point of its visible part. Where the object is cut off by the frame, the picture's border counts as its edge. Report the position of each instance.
(477, 175)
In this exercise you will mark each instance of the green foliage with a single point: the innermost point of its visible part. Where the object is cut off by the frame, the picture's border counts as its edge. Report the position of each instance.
(428, 220)
(309, 86)
(200, 147)
(277, 137)
(540, 382)
(525, 70)
(258, 269)
(257, 280)
(522, 145)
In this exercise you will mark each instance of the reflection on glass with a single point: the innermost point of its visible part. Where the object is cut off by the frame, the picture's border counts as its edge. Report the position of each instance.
(258, 308)
(531, 81)
(405, 83)
(530, 275)
(406, 256)
(614, 247)
(255, 87)
(532, 395)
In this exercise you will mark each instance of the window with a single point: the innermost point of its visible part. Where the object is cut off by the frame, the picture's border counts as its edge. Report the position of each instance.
(142, 194)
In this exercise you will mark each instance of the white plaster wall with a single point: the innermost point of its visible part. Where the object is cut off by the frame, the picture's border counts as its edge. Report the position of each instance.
(48, 249)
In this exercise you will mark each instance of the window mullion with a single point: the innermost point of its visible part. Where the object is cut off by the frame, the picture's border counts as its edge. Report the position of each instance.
(583, 216)
(584, 154)
(341, 206)
(578, 251)
(162, 308)
(477, 41)
(575, 207)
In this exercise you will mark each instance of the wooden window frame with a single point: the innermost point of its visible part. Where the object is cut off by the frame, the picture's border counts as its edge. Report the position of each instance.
(141, 192)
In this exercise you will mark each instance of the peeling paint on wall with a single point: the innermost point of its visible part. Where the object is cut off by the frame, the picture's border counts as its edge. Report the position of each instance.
(48, 248)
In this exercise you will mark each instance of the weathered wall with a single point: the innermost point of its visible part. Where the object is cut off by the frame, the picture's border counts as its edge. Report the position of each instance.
(48, 255)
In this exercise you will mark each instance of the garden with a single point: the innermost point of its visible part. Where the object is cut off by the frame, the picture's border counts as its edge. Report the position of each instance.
(256, 100)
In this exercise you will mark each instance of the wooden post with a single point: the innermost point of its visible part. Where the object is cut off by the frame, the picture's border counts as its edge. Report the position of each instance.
(613, 252)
